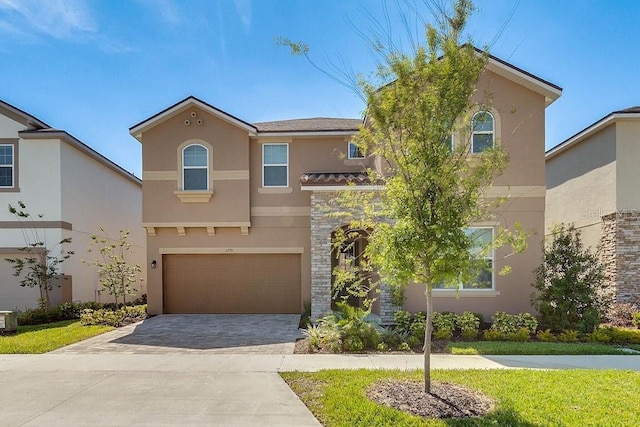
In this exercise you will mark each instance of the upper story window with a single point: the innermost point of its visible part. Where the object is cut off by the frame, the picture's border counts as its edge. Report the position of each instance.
(195, 168)
(354, 151)
(275, 165)
(6, 166)
(483, 136)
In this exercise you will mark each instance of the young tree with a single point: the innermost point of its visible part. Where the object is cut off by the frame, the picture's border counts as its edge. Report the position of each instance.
(116, 274)
(571, 292)
(42, 263)
(431, 192)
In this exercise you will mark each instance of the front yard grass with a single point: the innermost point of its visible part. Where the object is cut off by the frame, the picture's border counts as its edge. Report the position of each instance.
(532, 348)
(523, 397)
(43, 338)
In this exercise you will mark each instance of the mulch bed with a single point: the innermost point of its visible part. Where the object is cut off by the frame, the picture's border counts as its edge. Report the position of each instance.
(445, 400)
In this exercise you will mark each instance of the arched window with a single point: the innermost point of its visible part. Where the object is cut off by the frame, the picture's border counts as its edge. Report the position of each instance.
(195, 168)
(483, 136)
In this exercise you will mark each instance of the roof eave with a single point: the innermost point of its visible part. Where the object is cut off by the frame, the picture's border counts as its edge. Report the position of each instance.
(290, 134)
(550, 91)
(137, 130)
(76, 143)
(588, 131)
(29, 120)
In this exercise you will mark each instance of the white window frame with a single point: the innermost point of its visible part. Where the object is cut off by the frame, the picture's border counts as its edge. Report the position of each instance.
(490, 256)
(357, 149)
(275, 164)
(492, 132)
(184, 167)
(12, 166)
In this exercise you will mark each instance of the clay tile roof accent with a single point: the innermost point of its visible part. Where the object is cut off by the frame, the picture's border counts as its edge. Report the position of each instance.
(335, 178)
(316, 124)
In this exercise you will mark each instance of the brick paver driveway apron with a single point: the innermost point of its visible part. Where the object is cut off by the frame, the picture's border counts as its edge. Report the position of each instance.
(199, 333)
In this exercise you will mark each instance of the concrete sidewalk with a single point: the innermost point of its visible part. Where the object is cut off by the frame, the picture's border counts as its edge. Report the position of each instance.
(204, 389)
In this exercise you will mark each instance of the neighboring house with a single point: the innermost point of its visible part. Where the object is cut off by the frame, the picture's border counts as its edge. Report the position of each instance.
(77, 191)
(592, 181)
(234, 210)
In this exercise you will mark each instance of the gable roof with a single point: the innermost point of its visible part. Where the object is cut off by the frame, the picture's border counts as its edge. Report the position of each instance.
(62, 135)
(550, 91)
(625, 114)
(16, 114)
(137, 130)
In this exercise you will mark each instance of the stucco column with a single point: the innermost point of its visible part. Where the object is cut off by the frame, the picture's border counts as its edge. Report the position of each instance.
(321, 229)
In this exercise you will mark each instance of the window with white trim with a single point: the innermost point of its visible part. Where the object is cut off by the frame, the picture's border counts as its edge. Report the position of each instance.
(6, 166)
(483, 135)
(195, 168)
(481, 247)
(275, 165)
(354, 151)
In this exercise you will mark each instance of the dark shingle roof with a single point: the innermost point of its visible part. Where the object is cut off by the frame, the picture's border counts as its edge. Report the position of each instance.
(316, 124)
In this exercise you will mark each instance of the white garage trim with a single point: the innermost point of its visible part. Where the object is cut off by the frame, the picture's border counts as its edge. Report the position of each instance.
(235, 250)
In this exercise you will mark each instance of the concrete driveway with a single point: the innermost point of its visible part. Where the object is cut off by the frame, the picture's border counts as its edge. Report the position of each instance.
(198, 333)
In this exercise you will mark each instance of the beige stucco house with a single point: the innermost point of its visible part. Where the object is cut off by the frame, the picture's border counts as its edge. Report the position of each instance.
(592, 181)
(76, 190)
(233, 210)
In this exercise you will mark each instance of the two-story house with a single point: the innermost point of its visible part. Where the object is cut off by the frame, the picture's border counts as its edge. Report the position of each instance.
(76, 190)
(235, 218)
(592, 182)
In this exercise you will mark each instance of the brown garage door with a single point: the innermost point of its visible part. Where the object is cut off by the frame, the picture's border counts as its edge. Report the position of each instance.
(238, 283)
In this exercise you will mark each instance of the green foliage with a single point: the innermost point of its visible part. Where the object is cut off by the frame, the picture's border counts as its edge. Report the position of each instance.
(570, 290)
(469, 325)
(37, 339)
(443, 334)
(120, 317)
(404, 347)
(600, 335)
(493, 335)
(568, 336)
(445, 321)
(414, 341)
(402, 320)
(65, 311)
(347, 329)
(512, 323)
(636, 319)
(522, 335)
(116, 274)
(524, 398)
(546, 336)
(41, 266)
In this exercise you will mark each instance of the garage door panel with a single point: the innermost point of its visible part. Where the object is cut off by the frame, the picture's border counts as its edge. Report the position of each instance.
(238, 283)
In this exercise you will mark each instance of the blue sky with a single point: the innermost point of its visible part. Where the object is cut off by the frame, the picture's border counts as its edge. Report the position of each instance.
(96, 67)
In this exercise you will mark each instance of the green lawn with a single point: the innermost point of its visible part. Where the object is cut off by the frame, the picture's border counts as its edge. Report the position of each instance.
(524, 397)
(44, 338)
(538, 348)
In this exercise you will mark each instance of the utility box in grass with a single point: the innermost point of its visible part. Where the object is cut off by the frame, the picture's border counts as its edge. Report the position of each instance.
(8, 322)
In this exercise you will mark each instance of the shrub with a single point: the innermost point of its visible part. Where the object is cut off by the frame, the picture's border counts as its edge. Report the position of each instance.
(445, 320)
(546, 336)
(512, 323)
(522, 335)
(347, 329)
(414, 341)
(568, 336)
(469, 325)
(402, 320)
(392, 337)
(382, 347)
(620, 314)
(404, 347)
(600, 335)
(570, 290)
(624, 336)
(636, 319)
(116, 318)
(418, 325)
(493, 335)
(443, 334)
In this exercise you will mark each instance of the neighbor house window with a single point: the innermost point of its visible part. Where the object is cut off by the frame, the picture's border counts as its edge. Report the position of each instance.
(482, 277)
(275, 165)
(195, 168)
(354, 151)
(6, 166)
(483, 132)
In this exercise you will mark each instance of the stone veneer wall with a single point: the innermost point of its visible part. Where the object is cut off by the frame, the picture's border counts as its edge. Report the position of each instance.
(621, 254)
(322, 226)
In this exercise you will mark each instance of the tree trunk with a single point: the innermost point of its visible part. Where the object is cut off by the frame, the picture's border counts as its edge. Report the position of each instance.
(427, 341)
